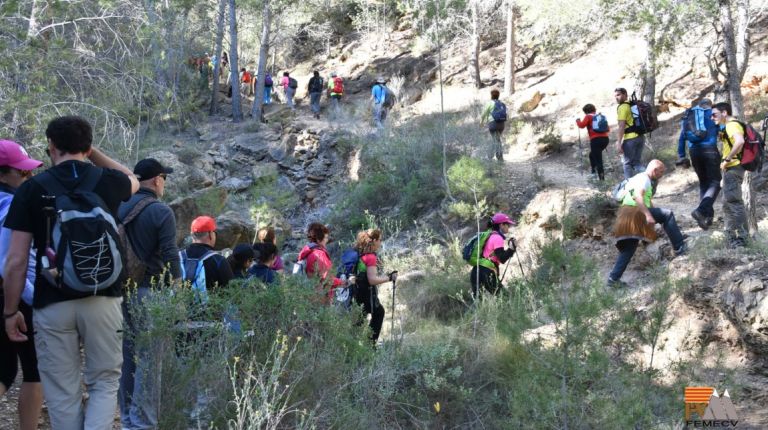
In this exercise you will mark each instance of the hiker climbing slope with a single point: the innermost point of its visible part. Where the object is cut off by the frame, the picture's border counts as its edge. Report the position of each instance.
(597, 129)
(368, 279)
(315, 90)
(487, 252)
(629, 144)
(495, 114)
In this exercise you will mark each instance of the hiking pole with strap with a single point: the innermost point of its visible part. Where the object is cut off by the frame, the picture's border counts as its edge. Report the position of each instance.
(394, 286)
(517, 255)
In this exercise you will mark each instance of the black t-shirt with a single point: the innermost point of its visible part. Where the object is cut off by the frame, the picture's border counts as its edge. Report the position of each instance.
(26, 214)
(218, 273)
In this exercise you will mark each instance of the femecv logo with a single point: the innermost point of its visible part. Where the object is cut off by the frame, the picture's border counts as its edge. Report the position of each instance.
(711, 409)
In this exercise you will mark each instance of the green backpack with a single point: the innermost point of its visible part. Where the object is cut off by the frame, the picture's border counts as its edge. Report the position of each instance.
(471, 251)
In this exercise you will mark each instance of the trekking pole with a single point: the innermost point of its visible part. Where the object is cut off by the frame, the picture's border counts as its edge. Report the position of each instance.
(394, 286)
(517, 255)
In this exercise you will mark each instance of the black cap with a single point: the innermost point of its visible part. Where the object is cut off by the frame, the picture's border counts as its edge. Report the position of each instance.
(243, 251)
(148, 168)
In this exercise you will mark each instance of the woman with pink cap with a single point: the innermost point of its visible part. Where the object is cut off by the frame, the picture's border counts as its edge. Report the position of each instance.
(486, 271)
(15, 168)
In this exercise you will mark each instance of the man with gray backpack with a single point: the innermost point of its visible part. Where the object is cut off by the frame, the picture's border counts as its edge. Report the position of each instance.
(68, 214)
(495, 113)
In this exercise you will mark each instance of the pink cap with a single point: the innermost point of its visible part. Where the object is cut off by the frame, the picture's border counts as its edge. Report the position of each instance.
(502, 218)
(13, 155)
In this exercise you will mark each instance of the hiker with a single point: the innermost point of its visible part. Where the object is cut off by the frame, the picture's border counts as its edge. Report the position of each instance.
(495, 112)
(598, 139)
(699, 132)
(315, 90)
(318, 262)
(66, 313)
(368, 279)
(245, 82)
(731, 137)
(629, 144)
(200, 262)
(240, 260)
(379, 96)
(150, 226)
(265, 260)
(15, 168)
(335, 92)
(268, 88)
(486, 272)
(636, 220)
(289, 85)
(267, 235)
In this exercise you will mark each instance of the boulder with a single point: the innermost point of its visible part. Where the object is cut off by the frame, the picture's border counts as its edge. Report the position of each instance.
(184, 177)
(264, 171)
(746, 304)
(209, 201)
(236, 184)
(232, 229)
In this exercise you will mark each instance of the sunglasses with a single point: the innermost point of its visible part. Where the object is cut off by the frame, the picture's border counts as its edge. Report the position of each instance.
(163, 175)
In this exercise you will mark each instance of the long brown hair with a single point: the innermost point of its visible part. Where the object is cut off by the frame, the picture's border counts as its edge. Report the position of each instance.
(365, 239)
(266, 234)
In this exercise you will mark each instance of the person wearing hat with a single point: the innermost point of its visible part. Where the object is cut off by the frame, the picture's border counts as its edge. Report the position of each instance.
(486, 272)
(241, 259)
(335, 92)
(217, 270)
(15, 168)
(379, 95)
(699, 134)
(150, 227)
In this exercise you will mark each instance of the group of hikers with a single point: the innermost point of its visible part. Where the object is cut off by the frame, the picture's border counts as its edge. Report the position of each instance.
(86, 242)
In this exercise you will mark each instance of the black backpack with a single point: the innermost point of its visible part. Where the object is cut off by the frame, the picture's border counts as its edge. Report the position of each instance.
(292, 83)
(316, 85)
(84, 235)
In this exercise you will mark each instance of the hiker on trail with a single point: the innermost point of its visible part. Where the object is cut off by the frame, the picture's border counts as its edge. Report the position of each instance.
(266, 255)
(637, 218)
(289, 87)
(495, 113)
(240, 260)
(268, 88)
(699, 133)
(15, 168)
(150, 227)
(368, 279)
(597, 129)
(732, 139)
(379, 96)
(199, 262)
(335, 92)
(86, 307)
(494, 254)
(629, 144)
(318, 262)
(245, 82)
(267, 235)
(315, 90)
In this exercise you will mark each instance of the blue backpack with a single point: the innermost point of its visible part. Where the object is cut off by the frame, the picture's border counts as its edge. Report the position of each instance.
(499, 112)
(695, 124)
(193, 271)
(348, 267)
(599, 123)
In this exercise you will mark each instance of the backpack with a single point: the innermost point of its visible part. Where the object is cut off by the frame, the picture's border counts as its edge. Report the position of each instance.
(499, 112)
(643, 116)
(620, 191)
(599, 123)
(292, 83)
(345, 295)
(695, 125)
(753, 152)
(134, 266)
(84, 236)
(300, 266)
(338, 85)
(316, 85)
(471, 251)
(389, 98)
(193, 271)
(268, 80)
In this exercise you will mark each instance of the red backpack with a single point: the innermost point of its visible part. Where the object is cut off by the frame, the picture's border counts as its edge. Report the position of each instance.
(338, 85)
(753, 152)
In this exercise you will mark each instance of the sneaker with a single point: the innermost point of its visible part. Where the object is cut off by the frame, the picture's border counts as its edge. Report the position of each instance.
(701, 220)
(617, 283)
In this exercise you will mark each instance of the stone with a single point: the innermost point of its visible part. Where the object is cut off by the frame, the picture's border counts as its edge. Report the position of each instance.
(209, 201)
(746, 304)
(214, 135)
(232, 229)
(264, 171)
(235, 184)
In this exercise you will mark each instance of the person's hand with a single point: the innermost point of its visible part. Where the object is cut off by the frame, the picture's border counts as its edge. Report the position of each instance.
(619, 149)
(15, 327)
(722, 165)
(649, 219)
(393, 276)
(351, 280)
(511, 244)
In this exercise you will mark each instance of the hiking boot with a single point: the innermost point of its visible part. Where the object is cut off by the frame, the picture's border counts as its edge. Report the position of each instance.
(682, 250)
(710, 220)
(617, 283)
(701, 220)
(737, 243)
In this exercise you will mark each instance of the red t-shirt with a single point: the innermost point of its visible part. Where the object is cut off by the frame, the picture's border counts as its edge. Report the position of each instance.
(319, 264)
(587, 123)
(246, 78)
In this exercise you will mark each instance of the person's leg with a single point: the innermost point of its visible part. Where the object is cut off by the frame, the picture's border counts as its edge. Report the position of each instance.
(9, 364)
(734, 213)
(58, 360)
(666, 218)
(377, 320)
(627, 248)
(594, 149)
(100, 324)
(31, 395)
(626, 158)
(490, 281)
(289, 95)
(377, 114)
(635, 151)
(499, 145)
(713, 176)
(602, 143)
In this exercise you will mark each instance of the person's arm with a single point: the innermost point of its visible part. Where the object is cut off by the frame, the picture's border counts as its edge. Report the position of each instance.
(505, 254)
(224, 272)
(373, 276)
(681, 143)
(583, 122)
(16, 272)
(638, 195)
(486, 113)
(166, 239)
(738, 143)
(101, 159)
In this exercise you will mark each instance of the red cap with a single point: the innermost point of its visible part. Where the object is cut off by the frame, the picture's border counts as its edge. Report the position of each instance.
(13, 155)
(203, 224)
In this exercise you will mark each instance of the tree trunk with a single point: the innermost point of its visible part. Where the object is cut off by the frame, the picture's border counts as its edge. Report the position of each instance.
(509, 54)
(733, 80)
(742, 37)
(261, 71)
(237, 112)
(474, 45)
(646, 80)
(21, 70)
(217, 67)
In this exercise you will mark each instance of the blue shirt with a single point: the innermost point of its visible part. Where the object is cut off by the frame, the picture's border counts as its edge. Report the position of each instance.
(264, 273)
(379, 93)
